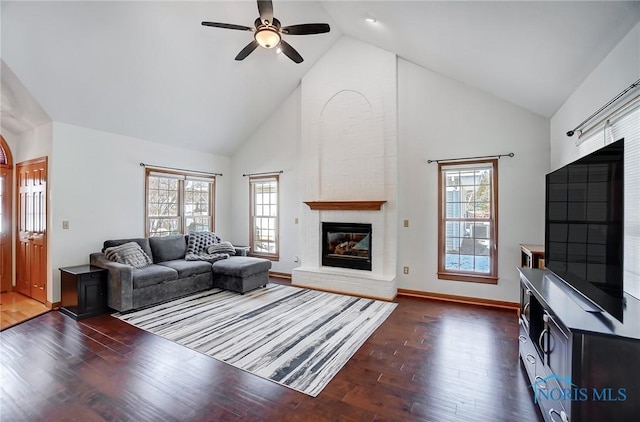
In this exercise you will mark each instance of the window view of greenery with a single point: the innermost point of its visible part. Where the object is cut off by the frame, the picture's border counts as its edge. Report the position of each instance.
(264, 216)
(179, 206)
(468, 220)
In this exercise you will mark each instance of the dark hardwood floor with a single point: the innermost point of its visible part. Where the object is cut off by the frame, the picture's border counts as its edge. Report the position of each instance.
(431, 360)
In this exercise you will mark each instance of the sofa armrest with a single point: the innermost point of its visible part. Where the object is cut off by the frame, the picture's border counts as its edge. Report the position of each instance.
(119, 282)
(242, 250)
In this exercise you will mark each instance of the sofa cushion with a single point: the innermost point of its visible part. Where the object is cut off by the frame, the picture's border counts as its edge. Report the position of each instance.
(129, 254)
(241, 266)
(168, 248)
(142, 241)
(187, 268)
(151, 275)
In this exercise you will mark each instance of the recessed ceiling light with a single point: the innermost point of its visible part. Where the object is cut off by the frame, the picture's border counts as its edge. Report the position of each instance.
(370, 18)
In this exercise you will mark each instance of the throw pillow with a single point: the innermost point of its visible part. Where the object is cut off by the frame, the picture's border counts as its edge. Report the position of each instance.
(222, 247)
(129, 254)
(200, 241)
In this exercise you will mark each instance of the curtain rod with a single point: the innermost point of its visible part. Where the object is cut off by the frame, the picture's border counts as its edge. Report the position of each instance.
(261, 174)
(173, 168)
(613, 100)
(498, 156)
(606, 121)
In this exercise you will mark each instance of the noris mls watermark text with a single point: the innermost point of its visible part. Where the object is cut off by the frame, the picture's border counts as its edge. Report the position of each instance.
(569, 391)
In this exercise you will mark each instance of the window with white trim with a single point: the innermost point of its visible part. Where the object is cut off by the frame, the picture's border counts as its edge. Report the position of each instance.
(468, 221)
(178, 203)
(263, 225)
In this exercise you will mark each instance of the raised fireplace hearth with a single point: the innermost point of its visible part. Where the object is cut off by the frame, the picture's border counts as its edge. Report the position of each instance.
(346, 245)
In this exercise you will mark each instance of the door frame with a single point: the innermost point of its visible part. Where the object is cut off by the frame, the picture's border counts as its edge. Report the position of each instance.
(6, 263)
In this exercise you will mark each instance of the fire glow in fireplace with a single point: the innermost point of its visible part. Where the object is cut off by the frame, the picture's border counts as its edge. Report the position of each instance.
(346, 245)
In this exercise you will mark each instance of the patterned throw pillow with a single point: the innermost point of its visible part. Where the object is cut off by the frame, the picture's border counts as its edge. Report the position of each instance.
(200, 241)
(129, 254)
(222, 247)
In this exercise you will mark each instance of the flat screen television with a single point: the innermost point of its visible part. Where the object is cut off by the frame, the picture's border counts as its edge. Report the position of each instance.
(584, 226)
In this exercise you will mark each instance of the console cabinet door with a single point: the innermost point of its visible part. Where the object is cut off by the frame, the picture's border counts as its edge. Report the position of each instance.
(92, 294)
(525, 303)
(558, 350)
(558, 360)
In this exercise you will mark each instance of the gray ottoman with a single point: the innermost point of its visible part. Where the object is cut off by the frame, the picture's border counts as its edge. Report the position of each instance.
(241, 273)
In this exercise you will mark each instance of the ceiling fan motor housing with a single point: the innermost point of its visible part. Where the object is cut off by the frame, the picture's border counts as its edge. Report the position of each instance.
(267, 34)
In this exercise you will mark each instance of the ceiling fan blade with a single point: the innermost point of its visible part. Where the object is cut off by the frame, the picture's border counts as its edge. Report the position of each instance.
(247, 50)
(227, 26)
(265, 8)
(290, 52)
(306, 29)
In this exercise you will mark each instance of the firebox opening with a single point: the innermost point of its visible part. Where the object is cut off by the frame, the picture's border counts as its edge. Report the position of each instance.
(346, 245)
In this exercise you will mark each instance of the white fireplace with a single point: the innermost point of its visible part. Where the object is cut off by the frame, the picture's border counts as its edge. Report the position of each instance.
(349, 153)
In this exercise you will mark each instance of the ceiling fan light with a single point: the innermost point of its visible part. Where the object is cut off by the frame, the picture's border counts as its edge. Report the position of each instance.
(267, 37)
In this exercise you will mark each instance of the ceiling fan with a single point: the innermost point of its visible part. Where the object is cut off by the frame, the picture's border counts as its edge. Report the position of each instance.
(267, 32)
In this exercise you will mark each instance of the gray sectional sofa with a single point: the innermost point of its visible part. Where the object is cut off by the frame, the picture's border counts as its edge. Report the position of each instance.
(171, 276)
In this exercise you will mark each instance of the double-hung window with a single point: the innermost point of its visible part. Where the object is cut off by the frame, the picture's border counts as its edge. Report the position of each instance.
(178, 203)
(263, 224)
(468, 221)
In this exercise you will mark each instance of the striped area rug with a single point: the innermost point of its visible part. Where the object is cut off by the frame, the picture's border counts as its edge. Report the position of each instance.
(296, 337)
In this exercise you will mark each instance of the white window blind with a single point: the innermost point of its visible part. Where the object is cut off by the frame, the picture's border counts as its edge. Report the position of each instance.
(628, 127)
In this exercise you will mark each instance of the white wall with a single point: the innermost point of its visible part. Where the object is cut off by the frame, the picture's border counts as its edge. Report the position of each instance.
(97, 184)
(439, 119)
(616, 72)
(34, 143)
(12, 141)
(273, 147)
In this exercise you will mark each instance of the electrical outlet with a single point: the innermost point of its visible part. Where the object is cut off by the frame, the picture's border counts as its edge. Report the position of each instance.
(65, 225)
(296, 259)
(406, 223)
(296, 222)
(405, 270)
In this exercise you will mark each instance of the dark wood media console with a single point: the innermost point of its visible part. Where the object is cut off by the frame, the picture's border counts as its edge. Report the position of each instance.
(583, 365)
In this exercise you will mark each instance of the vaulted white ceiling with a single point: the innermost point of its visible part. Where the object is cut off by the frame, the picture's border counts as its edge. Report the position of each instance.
(150, 70)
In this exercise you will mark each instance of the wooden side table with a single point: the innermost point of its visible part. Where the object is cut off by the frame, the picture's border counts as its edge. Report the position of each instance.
(532, 256)
(84, 291)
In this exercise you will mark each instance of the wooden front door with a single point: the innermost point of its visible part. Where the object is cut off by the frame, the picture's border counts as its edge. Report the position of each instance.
(6, 261)
(31, 254)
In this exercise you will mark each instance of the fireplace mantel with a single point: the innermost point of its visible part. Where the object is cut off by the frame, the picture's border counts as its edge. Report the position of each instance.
(345, 205)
